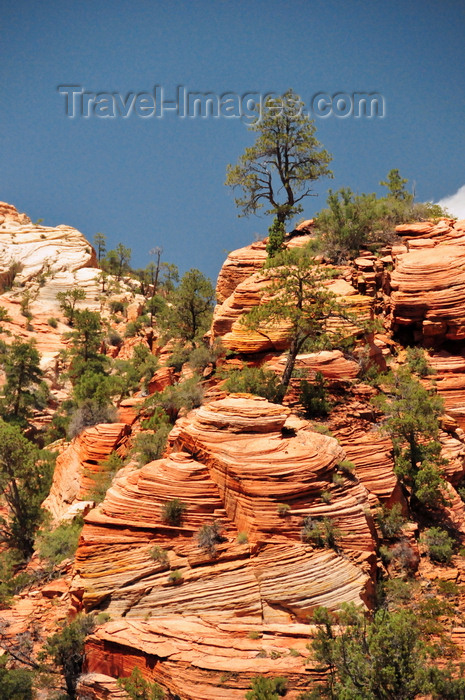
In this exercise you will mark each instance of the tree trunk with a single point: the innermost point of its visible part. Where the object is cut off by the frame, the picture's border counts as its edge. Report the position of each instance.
(287, 374)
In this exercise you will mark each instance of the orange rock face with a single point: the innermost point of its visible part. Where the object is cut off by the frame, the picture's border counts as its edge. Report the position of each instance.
(229, 461)
(8, 212)
(428, 292)
(77, 466)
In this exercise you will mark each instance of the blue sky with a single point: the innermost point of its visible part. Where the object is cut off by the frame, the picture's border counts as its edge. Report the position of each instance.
(149, 181)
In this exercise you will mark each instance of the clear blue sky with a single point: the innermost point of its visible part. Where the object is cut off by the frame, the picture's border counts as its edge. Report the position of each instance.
(148, 182)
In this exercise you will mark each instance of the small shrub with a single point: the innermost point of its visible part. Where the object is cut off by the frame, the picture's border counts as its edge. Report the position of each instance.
(172, 512)
(283, 509)
(390, 520)
(158, 554)
(179, 356)
(203, 356)
(52, 322)
(61, 543)
(257, 381)
(253, 634)
(394, 592)
(117, 307)
(326, 496)
(103, 478)
(90, 413)
(15, 683)
(322, 533)
(267, 688)
(386, 555)
(338, 480)
(12, 578)
(114, 338)
(209, 536)
(405, 556)
(133, 328)
(138, 688)
(449, 589)
(175, 577)
(150, 446)
(242, 538)
(418, 363)
(346, 467)
(313, 397)
(439, 544)
(322, 429)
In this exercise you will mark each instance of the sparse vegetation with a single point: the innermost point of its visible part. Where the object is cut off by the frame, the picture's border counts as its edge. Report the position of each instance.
(172, 512)
(267, 688)
(138, 688)
(209, 536)
(439, 544)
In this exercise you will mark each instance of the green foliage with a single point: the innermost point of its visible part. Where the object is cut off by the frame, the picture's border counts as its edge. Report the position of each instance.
(117, 261)
(15, 683)
(68, 301)
(321, 533)
(390, 520)
(267, 688)
(172, 512)
(412, 422)
(12, 578)
(209, 536)
(117, 307)
(255, 380)
(283, 509)
(191, 307)
(418, 363)
(314, 398)
(296, 296)
(52, 322)
(159, 554)
(103, 478)
(175, 577)
(24, 388)
(25, 478)
(347, 222)
(285, 158)
(396, 186)
(60, 543)
(184, 395)
(149, 446)
(276, 235)
(66, 649)
(89, 412)
(242, 538)
(100, 244)
(138, 688)
(136, 373)
(346, 467)
(204, 355)
(134, 327)
(85, 340)
(440, 545)
(352, 221)
(382, 659)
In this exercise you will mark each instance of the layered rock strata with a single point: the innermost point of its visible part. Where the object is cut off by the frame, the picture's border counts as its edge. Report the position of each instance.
(229, 461)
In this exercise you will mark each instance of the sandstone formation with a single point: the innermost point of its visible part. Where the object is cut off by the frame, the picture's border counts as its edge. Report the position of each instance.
(428, 293)
(79, 464)
(250, 293)
(242, 263)
(239, 467)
